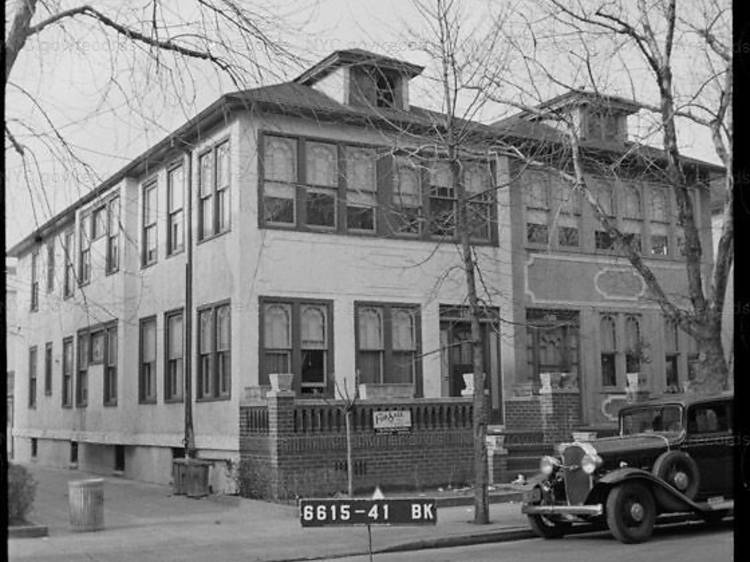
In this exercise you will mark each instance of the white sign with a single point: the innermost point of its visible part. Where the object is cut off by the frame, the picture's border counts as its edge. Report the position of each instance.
(392, 420)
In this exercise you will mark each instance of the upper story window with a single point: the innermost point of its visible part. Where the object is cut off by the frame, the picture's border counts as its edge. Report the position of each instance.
(407, 197)
(442, 200)
(658, 215)
(480, 197)
(361, 189)
(632, 215)
(51, 265)
(308, 183)
(604, 194)
(113, 235)
(175, 202)
(214, 211)
(98, 222)
(602, 126)
(67, 373)
(385, 89)
(321, 170)
(149, 220)
(280, 177)
(70, 274)
(536, 201)
(672, 354)
(84, 250)
(82, 383)
(34, 280)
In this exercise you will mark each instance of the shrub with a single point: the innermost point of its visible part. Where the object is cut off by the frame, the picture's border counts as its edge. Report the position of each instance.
(21, 490)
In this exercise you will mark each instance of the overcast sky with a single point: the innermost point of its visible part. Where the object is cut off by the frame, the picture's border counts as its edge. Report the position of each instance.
(69, 74)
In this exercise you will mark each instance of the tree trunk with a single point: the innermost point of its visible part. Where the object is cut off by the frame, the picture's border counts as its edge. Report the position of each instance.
(349, 467)
(713, 372)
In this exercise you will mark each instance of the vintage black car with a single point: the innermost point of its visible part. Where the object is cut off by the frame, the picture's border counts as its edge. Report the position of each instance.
(672, 454)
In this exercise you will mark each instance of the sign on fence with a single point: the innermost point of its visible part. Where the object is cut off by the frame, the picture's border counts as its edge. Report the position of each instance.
(391, 421)
(402, 511)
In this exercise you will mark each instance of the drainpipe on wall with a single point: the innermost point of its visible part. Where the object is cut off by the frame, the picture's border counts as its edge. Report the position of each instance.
(189, 440)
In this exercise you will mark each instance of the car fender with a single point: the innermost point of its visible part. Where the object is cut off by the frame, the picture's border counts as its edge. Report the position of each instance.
(630, 473)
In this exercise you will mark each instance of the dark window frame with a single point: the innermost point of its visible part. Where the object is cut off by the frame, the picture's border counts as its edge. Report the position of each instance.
(69, 280)
(218, 197)
(82, 365)
(113, 236)
(385, 216)
(48, 360)
(150, 228)
(98, 221)
(296, 350)
(84, 250)
(147, 387)
(386, 315)
(608, 356)
(67, 372)
(176, 215)
(51, 265)
(33, 376)
(173, 393)
(109, 390)
(34, 301)
(215, 357)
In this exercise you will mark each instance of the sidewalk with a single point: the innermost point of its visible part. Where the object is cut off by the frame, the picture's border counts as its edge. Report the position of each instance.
(146, 522)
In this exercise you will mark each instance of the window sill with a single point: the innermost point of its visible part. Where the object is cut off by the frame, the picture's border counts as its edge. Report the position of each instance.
(84, 283)
(48, 393)
(213, 236)
(112, 272)
(149, 264)
(147, 402)
(67, 406)
(81, 406)
(173, 400)
(214, 399)
(110, 404)
(175, 253)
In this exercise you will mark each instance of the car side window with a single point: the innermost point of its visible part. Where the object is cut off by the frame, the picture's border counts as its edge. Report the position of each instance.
(709, 418)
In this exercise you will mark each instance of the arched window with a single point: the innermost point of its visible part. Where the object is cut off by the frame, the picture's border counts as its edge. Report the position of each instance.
(608, 346)
(633, 344)
(314, 346)
(277, 338)
(370, 345)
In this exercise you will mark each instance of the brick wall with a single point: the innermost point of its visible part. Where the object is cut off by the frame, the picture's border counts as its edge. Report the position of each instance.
(301, 450)
(555, 414)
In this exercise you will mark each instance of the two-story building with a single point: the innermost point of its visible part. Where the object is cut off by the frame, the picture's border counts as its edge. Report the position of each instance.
(306, 228)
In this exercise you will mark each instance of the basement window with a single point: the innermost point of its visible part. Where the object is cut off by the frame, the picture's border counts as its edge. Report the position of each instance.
(119, 458)
(73, 452)
(34, 447)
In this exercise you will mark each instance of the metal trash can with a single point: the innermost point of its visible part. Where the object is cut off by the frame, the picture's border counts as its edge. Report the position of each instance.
(86, 504)
(197, 478)
(179, 476)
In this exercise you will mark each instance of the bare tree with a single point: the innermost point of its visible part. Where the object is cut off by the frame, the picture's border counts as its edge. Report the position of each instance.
(653, 33)
(164, 46)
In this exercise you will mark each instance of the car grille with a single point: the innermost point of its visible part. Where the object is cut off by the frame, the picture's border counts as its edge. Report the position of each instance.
(577, 482)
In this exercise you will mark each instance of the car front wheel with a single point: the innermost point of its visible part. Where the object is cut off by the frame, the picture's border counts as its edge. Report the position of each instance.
(548, 528)
(631, 512)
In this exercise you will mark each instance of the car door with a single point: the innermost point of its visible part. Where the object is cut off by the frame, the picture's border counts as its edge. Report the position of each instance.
(709, 442)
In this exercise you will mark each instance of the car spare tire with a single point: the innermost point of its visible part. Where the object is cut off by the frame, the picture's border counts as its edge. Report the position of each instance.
(679, 470)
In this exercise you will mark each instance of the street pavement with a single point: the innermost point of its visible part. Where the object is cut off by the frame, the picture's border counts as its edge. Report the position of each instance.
(146, 522)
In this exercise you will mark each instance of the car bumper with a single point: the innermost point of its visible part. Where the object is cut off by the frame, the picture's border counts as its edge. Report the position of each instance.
(594, 509)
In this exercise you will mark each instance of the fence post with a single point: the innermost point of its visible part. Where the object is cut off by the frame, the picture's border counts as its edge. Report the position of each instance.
(280, 426)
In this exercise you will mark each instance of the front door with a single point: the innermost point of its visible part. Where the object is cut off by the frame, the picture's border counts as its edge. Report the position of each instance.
(455, 340)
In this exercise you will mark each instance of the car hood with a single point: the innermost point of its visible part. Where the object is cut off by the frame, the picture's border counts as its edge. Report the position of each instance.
(637, 444)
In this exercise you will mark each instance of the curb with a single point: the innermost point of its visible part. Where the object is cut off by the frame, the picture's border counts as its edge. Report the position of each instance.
(30, 531)
(454, 501)
(504, 535)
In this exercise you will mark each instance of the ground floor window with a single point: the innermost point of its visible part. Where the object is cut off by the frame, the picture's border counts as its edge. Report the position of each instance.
(297, 337)
(387, 342)
(552, 338)
(119, 458)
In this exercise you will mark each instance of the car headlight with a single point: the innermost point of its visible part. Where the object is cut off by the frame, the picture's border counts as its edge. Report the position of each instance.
(547, 465)
(589, 463)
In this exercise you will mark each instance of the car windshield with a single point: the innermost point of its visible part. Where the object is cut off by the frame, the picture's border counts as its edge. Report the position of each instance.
(661, 419)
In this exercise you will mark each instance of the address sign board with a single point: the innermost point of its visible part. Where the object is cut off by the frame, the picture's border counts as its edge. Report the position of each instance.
(391, 421)
(401, 511)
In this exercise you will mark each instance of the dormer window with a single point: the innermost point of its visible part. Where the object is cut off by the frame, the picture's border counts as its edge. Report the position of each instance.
(385, 90)
(603, 126)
